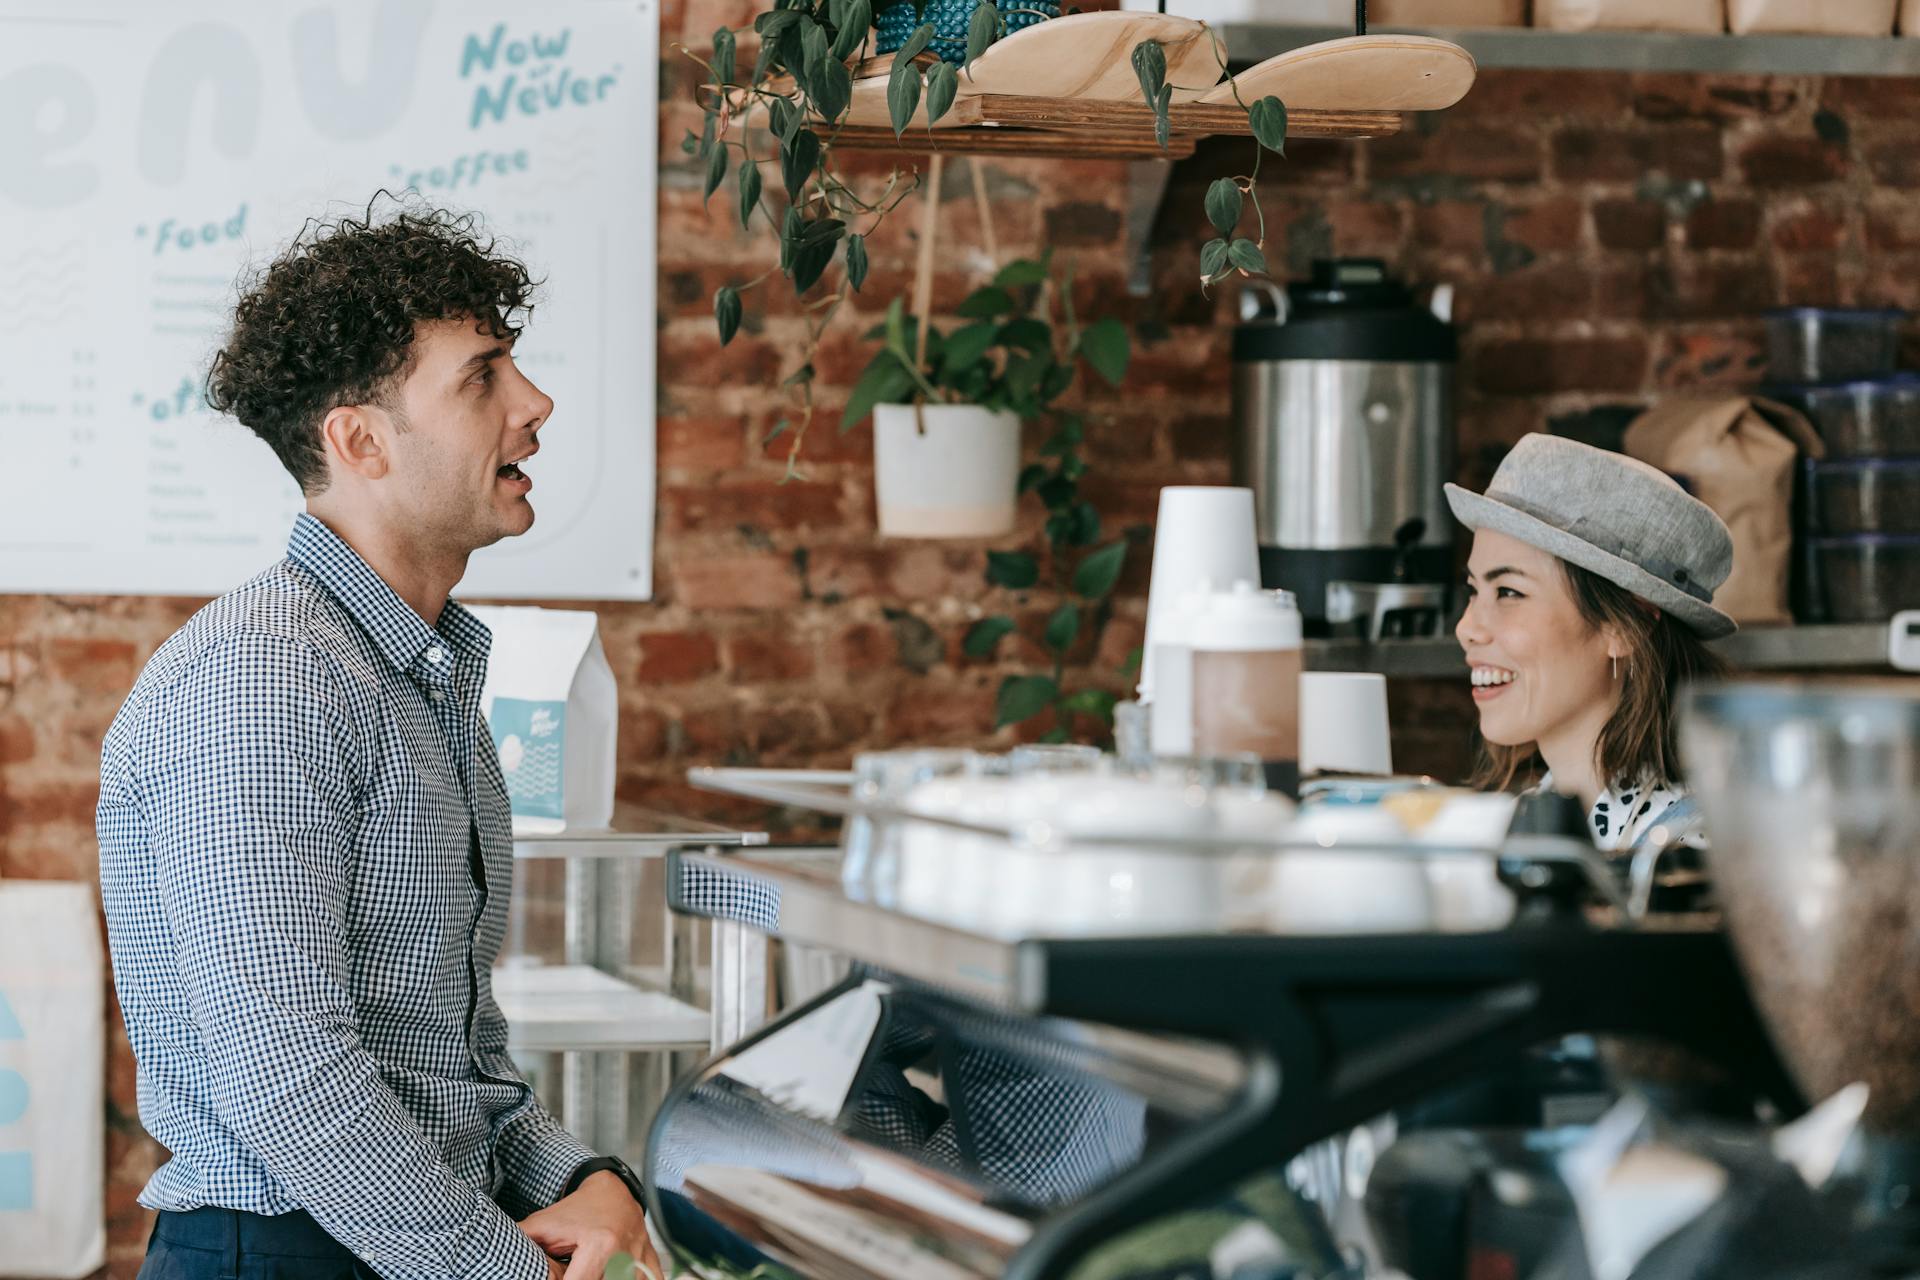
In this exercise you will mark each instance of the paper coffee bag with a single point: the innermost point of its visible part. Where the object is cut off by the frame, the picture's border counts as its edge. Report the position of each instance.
(554, 710)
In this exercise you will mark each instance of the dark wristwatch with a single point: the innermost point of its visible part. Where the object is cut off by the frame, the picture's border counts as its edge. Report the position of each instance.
(608, 1164)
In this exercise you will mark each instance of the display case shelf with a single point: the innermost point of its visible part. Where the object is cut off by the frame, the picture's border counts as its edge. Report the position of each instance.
(577, 1009)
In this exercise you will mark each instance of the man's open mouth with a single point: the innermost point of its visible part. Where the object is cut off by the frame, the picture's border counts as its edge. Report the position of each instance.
(512, 471)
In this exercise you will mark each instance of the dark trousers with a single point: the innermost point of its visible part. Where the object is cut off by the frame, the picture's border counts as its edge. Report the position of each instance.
(227, 1244)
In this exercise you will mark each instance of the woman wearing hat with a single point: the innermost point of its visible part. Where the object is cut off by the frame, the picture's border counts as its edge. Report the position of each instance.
(1589, 594)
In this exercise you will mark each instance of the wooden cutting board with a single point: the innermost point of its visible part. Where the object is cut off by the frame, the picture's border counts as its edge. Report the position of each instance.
(1359, 73)
(1090, 55)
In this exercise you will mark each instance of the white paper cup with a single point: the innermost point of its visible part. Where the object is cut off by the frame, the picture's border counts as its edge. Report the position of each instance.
(1343, 723)
(1202, 531)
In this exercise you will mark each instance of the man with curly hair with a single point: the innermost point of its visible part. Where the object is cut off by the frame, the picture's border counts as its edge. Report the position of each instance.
(305, 842)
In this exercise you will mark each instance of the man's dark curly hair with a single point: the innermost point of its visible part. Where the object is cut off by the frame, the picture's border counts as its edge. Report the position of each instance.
(331, 321)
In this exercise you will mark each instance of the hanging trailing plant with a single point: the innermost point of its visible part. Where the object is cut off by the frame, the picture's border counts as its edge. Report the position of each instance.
(1228, 197)
(799, 89)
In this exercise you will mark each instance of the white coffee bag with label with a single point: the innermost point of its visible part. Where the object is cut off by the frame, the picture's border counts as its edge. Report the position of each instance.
(554, 710)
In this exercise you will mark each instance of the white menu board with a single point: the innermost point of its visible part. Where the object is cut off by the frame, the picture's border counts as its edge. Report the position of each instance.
(150, 152)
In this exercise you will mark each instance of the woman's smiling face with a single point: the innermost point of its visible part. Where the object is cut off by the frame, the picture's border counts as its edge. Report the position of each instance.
(1539, 669)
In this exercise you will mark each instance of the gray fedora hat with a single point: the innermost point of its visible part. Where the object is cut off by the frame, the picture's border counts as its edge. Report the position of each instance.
(1611, 515)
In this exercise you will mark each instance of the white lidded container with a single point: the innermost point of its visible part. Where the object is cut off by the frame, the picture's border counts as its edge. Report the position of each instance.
(1246, 647)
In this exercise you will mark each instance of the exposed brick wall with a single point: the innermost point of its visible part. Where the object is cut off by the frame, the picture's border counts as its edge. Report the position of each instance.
(1611, 236)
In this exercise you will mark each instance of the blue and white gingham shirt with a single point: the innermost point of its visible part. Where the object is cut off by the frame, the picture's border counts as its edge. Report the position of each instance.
(305, 859)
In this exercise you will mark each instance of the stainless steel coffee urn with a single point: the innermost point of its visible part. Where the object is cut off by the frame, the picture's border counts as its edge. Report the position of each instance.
(1343, 411)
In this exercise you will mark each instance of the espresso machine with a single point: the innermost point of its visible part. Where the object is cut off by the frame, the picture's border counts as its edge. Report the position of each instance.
(1343, 417)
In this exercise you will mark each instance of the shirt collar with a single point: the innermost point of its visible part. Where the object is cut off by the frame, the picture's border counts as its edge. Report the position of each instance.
(400, 634)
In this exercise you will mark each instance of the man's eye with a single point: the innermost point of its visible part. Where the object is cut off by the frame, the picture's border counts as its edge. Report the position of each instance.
(484, 377)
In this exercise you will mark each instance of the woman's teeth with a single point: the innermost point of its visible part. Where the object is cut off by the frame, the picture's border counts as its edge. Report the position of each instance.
(1484, 677)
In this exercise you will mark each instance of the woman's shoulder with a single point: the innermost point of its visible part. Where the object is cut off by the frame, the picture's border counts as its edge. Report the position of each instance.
(1650, 811)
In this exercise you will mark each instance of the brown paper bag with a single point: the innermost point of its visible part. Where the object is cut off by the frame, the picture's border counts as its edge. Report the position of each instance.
(1448, 13)
(1737, 455)
(1817, 17)
(1632, 15)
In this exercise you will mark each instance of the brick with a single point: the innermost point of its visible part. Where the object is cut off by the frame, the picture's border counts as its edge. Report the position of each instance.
(675, 657)
(748, 580)
(768, 655)
(95, 666)
(1536, 294)
(865, 649)
(1811, 229)
(1871, 97)
(1458, 152)
(1723, 224)
(1893, 225)
(756, 504)
(1717, 360)
(17, 742)
(1544, 226)
(939, 714)
(1895, 164)
(1792, 162)
(1722, 99)
(1536, 366)
(1202, 436)
(1636, 225)
(1620, 155)
(1367, 228)
(1815, 280)
(1083, 224)
(927, 571)
(1450, 224)
(1698, 290)
(692, 351)
(1506, 95)
(700, 443)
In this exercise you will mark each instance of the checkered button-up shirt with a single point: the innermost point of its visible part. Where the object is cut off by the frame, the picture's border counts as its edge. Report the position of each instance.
(305, 859)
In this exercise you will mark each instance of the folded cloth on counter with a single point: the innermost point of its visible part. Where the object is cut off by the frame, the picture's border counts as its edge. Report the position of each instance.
(1737, 455)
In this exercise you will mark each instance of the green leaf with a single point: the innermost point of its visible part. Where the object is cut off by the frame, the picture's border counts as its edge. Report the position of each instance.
(1020, 273)
(856, 261)
(1224, 203)
(832, 90)
(784, 117)
(813, 54)
(903, 92)
(1213, 258)
(1162, 122)
(791, 227)
(943, 82)
(897, 329)
(985, 303)
(1078, 526)
(1246, 255)
(810, 263)
(1095, 575)
(1150, 64)
(799, 377)
(798, 159)
(716, 171)
(1097, 703)
(1027, 334)
(763, 61)
(1269, 120)
(1023, 697)
(985, 635)
(723, 52)
(690, 145)
(983, 28)
(1130, 667)
(853, 29)
(1063, 627)
(774, 21)
(1030, 475)
(967, 346)
(1024, 374)
(780, 428)
(1015, 570)
(726, 312)
(883, 382)
(749, 192)
(916, 44)
(1104, 346)
(1054, 736)
(822, 231)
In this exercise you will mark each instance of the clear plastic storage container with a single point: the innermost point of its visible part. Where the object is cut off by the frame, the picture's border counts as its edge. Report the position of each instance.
(1872, 418)
(1831, 344)
(1864, 495)
(1867, 578)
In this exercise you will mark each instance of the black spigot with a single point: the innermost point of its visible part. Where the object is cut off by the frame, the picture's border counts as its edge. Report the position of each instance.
(1405, 539)
(1547, 886)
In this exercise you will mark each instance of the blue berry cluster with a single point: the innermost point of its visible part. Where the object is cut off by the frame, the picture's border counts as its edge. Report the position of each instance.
(949, 18)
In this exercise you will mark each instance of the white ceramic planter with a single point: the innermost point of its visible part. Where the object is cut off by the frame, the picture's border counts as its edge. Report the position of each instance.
(958, 480)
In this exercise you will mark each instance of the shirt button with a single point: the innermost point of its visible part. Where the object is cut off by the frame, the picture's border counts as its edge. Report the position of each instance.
(436, 653)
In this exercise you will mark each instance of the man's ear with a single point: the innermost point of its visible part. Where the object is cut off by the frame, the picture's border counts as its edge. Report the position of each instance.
(354, 438)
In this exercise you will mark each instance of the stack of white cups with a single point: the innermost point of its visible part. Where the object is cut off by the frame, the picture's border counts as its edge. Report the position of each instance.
(1204, 535)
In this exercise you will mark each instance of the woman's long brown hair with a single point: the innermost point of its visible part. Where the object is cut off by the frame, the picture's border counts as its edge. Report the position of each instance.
(1661, 656)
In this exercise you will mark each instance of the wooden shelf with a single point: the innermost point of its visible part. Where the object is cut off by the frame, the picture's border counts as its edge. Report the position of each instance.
(989, 124)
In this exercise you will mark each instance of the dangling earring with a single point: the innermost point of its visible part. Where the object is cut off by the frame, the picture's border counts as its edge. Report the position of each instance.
(1616, 667)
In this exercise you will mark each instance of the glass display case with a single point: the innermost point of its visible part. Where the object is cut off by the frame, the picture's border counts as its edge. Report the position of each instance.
(605, 991)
